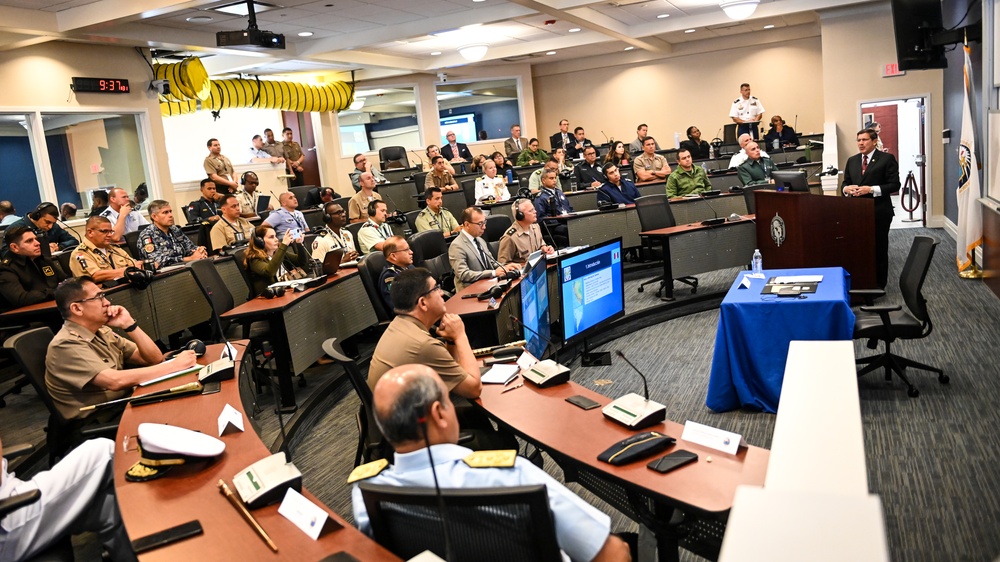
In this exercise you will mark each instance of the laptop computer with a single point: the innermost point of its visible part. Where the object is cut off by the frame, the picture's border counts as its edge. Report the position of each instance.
(262, 202)
(331, 262)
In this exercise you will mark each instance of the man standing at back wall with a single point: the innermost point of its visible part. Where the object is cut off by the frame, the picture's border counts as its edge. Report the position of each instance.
(219, 168)
(293, 157)
(746, 112)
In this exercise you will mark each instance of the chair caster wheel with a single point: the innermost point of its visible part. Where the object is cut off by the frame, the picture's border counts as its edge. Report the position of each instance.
(944, 379)
(912, 392)
(640, 289)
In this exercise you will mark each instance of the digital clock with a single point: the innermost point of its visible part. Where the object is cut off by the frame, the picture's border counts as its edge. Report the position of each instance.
(100, 85)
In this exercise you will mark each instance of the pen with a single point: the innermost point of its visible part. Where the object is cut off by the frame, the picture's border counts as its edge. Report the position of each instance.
(512, 379)
(246, 514)
(518, 385)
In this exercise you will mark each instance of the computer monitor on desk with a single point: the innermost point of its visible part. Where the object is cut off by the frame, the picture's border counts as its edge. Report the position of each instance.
(591, 289)
(535, 305)
(790, 181)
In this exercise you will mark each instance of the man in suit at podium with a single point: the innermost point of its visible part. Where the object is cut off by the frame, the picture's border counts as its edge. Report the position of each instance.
(872, 173)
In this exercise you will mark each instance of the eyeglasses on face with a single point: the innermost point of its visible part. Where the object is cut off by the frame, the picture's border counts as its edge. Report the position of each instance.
(98, 297)
(436, 287)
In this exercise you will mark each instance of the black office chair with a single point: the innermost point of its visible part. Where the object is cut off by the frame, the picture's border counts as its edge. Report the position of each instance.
(353, 228)
(392, 157)
(750, 198)
(132, 244)
(469, 187)
(371, 444)
(513, 158)
(484, 524)
(427, 245)
(440, 268)
(888, 323)
(411, 220)
(419, 179)
(729, 134)
(29, 348)
(494, 248)
(496, 225)
(344, 202)
(63, 260)
(239, 256)
(301, 192)
(370, 268)
(654, 213)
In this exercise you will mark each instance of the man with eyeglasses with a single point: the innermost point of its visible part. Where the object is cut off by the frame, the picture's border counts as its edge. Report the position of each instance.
(163, 243)
(26, 276)
(123, 217)
(231, 229)
(469, 256)
(398, 258)
(361, 166)
(97, 257)
(334, 236)
(86, 361)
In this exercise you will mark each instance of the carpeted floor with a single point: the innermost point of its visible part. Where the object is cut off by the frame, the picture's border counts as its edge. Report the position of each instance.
(933, 460)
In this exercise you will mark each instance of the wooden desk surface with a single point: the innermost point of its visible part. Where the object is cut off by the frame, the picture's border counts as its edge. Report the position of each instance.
(457, 305)
(261, 306)
(704, 486)
(681, 228)
(188, 493)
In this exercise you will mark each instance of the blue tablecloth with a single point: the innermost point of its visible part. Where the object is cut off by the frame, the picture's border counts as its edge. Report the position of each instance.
(751, 343)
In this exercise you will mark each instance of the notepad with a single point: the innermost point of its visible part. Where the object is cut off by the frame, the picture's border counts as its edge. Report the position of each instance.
(501, 373)
(794, 279)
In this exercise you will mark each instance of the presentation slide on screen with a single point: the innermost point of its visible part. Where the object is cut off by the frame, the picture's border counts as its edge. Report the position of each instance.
(591, 288)
(464, 127)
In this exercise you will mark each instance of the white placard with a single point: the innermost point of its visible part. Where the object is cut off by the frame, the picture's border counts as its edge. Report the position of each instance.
(303, 513)
(526, 361)
(230, 420)
(745, 283)
(712, 437)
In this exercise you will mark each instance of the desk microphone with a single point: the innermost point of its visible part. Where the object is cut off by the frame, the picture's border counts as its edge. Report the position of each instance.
(829, 171)
(545, 373)
(634, 411)
(712, 221)
(414, 152)
(606, 139)
(69, 230)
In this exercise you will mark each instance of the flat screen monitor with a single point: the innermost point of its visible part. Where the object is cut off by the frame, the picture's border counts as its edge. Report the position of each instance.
(535, 305)
(790, 181)
(591, 289)
(915, 22)
(464, 127)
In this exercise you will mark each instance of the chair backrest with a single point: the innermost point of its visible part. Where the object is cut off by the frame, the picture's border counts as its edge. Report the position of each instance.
(411, 220)
(132, 244)
(469, 187)
(911, 280)
(750, 199)
(440, 268)
(370, 268)
(215, 290)
(344, 202)
(393, 157)
(484, 524)
(496, 225)
(239, 256)
(301, 193)
(375, 445)
(729, 133)
(63, 260)
(29, 348)
(454, 201)
(654, 212)
(427, 245)
(314, 218)
(419, 179)
(494, 247)
(353, 228)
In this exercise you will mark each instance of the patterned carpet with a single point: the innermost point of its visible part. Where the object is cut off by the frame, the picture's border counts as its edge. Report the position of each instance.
(933, 459)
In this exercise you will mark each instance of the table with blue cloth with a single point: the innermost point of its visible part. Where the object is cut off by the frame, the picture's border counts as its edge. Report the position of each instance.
(751, 343)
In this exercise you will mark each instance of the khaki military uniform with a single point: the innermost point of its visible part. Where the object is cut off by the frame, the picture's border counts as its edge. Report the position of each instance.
(219, 165)
(357, 207)
(517, 244)
(647, 163)
(89, 259)
(75, 356)
(406, 341)
(292, 150)
(225, 233)
(443, 221)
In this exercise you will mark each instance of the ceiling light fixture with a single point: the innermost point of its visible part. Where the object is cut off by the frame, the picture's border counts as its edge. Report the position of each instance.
(629, 48)
(357, 104)
(550, 53)
(661, 16)
(473, 52)
(305, 34)
(574, 30)
(689, 31)
(435, 53)
(739, 9)
(199, 19)
(771, 26)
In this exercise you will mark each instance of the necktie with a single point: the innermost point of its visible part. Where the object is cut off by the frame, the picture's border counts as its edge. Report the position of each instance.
(482, 254)
(517, 142)
(864, 163)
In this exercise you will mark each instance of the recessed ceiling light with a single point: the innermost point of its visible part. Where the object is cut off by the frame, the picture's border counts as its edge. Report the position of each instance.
(240, 8)
(629, 48)
(574, 30)
(305, 34)
(199, 19)
(769, 26)
(689, 31)
(661, 16)
(435, 53)
(550, 53)
(478, 0)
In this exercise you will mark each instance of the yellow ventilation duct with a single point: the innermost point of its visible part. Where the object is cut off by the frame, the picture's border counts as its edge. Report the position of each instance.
(188, 79)
(262, 94)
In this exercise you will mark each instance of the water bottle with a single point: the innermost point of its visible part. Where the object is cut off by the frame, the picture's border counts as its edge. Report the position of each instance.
(510, 176)
(704, 167)
(758, 263)
(711, 151)
(774, 145)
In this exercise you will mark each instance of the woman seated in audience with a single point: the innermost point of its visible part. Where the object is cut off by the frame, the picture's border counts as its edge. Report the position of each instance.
(532, 155)
(491, 185)
(780, 132)
(618, 155)
(503, 164)
(269, 261)
(477, 164)
(432, 151)
(565, 166)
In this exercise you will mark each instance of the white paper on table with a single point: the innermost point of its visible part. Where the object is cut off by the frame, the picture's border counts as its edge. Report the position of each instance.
(796, 279)
(713, 437)
(526, 360)
(303, 513)
(230, 419)
(501, 373)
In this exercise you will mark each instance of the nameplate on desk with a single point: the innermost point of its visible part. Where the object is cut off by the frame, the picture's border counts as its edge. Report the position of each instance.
(230, 420)
(526, 361)
(306, 515)
(745, 282)
(712, 437)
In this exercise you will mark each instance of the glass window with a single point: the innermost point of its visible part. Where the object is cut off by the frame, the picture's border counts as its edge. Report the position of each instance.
(91, 153)
(478, 110)
(20, 184)
(379, 118)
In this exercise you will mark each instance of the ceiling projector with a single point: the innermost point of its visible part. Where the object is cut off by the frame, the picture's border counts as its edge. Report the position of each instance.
(250, 39)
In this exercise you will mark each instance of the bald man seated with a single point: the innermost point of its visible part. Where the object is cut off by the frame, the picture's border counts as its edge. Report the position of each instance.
(408, 393)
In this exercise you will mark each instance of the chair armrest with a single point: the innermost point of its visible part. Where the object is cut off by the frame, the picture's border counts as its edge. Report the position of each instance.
(869, 295)
(108, 430)
(20, 449)
(881, 309)
(18, 501)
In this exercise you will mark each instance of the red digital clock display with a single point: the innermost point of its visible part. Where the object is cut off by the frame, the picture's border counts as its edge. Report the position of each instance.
(100, 85)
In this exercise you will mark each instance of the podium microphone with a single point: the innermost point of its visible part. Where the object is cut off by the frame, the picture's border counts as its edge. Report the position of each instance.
(545, 373)
(829, 171)
(634, 411)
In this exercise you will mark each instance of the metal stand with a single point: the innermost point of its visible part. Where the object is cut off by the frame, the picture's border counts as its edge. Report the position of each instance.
(594, 358)
(910, 199)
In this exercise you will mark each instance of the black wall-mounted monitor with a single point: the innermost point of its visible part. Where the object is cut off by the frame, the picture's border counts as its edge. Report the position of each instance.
(915, 23)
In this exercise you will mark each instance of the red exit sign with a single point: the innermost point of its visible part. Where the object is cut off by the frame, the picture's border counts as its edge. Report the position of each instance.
(892, 69)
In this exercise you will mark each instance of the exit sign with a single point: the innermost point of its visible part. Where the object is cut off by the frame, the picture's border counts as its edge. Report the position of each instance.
(892, 69)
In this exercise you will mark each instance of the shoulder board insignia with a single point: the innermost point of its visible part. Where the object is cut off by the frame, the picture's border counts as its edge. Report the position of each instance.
(368, 470)
(511, 231)
(491, 459)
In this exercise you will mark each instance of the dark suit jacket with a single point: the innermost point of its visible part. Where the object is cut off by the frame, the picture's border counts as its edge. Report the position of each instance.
(610, 193)
(463, 152)
(509, 147)
(555, 141)
(882, 171)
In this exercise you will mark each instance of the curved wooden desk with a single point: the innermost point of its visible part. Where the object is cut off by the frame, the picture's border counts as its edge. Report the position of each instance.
(189, 493)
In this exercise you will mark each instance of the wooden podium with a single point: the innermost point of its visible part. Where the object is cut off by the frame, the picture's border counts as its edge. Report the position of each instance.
(804, 230)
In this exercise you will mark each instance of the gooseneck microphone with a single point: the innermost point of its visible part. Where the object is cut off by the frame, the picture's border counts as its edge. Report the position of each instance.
(517, 320)
(634, 411)
(712, 221)
(645, 383)
(69, 230)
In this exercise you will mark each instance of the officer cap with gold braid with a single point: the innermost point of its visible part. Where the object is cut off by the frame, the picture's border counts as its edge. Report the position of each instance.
(162, 447)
